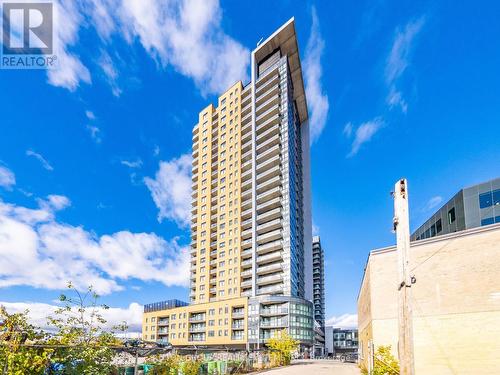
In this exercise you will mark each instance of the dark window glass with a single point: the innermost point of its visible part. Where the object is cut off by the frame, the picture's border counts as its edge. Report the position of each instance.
(496, 197)
(427, 233)
(485, 200)
(451, 215)
(487, 221)
(433, 230)
(439, 226)
(497, 219)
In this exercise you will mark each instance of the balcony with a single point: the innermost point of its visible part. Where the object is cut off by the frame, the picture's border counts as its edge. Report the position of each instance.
(269, 237)
(268, 247)
(271, 279)
(246, 254)
(247, 214)
(267, 80)
(268, 163)
(261, 270)
(268, 153)
(269, 205)
(246, 244)
(271, 257)
(268, 174)
(246, 283)
(261, 147)
(246, 263)
(271, 289)
(272, 111)
(246, 185)
(269, 226)
(245, 224)
(274, 311)
(269, 184)
(268, 195)
(246, 273)
(269, 215)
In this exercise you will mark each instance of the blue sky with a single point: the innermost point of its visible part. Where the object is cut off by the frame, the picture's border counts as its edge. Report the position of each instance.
(89, 152)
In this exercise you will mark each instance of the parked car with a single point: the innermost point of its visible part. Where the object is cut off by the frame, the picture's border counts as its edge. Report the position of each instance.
(349, 357)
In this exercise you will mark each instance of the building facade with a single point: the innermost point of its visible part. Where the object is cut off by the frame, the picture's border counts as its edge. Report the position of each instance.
(340, 341)
(455, 302)
(319, 296)
(251, 249)
(471, 207)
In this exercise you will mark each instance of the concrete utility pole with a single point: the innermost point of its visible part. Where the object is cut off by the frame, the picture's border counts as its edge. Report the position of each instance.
(405, 320)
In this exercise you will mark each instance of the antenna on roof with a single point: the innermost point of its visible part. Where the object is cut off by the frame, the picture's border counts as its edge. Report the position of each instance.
(259, 41)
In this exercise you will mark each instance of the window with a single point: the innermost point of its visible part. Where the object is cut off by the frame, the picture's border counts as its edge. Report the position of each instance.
(487, 221)
(485, 199)
(433, 230)
(497, 219)
(496, 197)
(439, 226)
(451, 215)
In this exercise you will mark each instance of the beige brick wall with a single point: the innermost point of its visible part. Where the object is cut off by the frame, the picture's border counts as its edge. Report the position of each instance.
(456, 302)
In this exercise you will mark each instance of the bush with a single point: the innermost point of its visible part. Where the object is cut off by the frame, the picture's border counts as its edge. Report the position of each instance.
(384, 363)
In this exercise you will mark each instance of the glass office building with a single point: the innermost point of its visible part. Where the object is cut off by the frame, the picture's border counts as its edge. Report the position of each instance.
(471, 207)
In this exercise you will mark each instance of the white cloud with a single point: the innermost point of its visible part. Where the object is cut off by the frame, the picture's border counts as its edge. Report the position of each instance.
(55, 202)
(343, 321)
(7, 178)
(433, 203)
(95, 133)
(70, 71)
(364, 133)
(132, 164)
(187, 34)
(38, 313)
(184, 34)
(398, 61)
(38, 251)
(41, 159)
(348, 129)
(317, 99)
(171, 189)
(107, 66)
(90, 115)
(315, 229)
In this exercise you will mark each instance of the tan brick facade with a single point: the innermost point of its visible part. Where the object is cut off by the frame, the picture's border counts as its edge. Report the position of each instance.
(456, 302)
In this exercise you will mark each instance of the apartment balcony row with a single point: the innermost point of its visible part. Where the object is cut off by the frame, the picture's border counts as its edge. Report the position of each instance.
(246, 254)
(266, 154)
(271, 236)
(267, 144)
(267, 131)
(267, 101)
(269, 247)
(268, 163)
(271, 89)
(269, 323)
(266, 311)
(262, 270)
(269, 215)
(246, 283)
(270, 279)
(271, 112)
(269, 173)
(269, 258)
(267, 75)
(274, 289)
(269, 184)
(245, 224)
(269, 205)
(267, 195)
(269, 79)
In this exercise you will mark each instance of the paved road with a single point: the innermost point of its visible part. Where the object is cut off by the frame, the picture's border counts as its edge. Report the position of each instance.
(317, 367)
